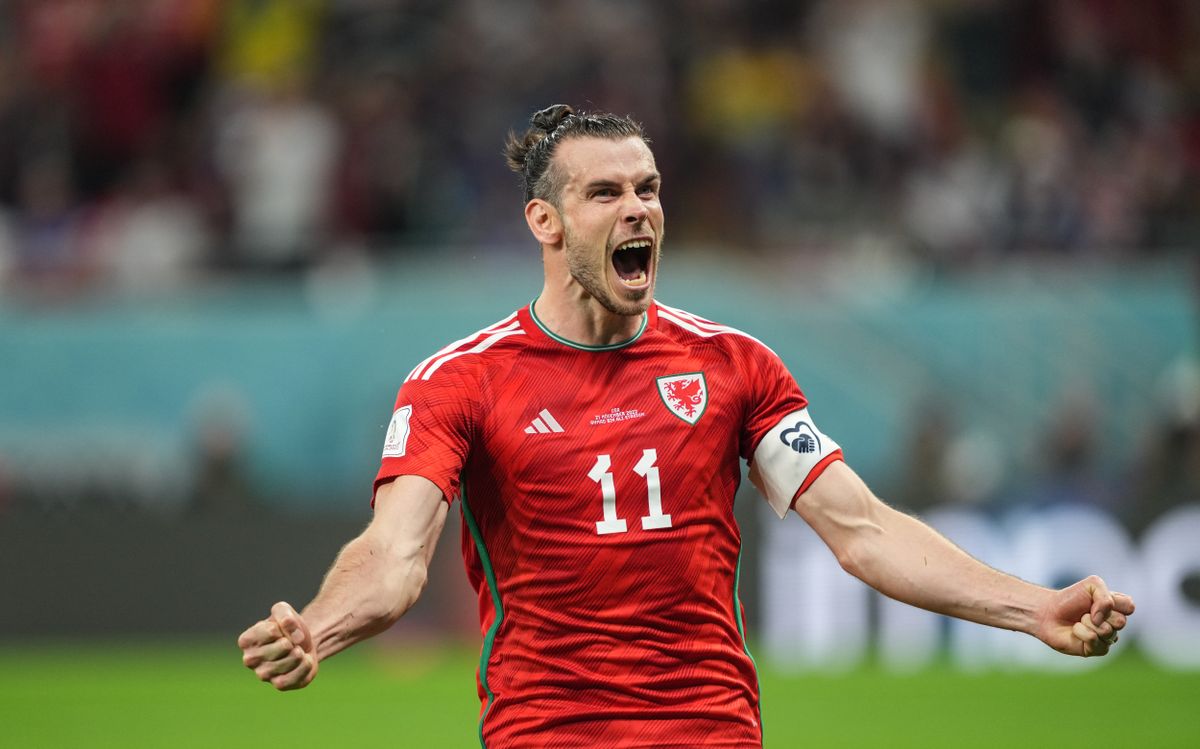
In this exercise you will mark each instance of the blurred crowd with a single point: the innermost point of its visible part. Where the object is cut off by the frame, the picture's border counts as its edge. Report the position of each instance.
(952, 462)
(145, 143)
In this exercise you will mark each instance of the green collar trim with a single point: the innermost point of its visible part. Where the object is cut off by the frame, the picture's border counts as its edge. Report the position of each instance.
(584, 347)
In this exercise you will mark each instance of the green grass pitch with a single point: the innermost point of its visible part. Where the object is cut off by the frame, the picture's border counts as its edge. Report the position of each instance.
(196, 694)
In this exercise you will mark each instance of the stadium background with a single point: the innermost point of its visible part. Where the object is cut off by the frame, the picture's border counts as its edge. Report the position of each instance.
(227, 230)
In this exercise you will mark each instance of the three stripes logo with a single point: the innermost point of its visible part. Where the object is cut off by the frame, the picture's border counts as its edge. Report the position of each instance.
(543, 423)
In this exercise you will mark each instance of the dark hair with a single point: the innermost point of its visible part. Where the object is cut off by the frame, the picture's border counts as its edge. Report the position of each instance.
(530, 155)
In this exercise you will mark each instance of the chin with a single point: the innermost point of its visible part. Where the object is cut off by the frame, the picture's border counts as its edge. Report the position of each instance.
(631, 302)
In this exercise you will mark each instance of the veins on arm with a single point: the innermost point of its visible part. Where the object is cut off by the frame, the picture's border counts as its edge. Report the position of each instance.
(380, 574)
(905, 559)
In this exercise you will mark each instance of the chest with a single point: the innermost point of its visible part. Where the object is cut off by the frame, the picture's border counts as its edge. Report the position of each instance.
(649, 430)
(608, 405)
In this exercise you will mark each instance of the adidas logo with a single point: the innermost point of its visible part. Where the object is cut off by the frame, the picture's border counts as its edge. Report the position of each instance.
(544, 423)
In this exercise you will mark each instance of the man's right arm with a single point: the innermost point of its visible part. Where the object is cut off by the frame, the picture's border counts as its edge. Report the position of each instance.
(376, 578)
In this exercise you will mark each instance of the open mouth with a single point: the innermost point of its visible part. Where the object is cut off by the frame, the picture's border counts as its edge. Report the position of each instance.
(631, 260)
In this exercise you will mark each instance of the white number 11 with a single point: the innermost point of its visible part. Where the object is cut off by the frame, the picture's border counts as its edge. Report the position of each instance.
(645, 468)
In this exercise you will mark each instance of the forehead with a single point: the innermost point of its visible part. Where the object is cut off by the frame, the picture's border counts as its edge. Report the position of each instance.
(587, 159)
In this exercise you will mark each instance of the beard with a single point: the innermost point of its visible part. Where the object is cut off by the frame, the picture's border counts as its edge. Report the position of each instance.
(594, 278)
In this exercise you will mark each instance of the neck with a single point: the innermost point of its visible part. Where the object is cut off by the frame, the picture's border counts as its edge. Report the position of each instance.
(571, 313)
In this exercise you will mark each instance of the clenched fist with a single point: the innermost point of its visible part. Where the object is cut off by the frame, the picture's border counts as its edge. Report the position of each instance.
(280, 649)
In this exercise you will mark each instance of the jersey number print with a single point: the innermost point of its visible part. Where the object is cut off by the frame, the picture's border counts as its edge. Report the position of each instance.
(645, 468)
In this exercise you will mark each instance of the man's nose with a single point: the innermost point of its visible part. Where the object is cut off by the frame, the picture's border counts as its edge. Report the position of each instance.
(633, 209)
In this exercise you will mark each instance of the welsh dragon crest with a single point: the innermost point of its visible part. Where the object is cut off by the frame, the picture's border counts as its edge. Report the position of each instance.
(685, 395)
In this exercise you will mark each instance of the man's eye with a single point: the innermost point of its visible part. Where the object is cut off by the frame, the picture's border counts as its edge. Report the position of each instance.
(647, 190)
(606, 192)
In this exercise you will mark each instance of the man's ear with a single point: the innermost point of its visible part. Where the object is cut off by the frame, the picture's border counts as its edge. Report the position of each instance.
(544, 221)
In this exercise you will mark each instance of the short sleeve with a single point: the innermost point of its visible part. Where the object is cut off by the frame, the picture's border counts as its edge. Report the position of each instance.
(430, 431)
(786, 450)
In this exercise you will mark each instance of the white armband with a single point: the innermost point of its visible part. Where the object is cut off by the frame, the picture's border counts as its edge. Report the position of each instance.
(786, 456)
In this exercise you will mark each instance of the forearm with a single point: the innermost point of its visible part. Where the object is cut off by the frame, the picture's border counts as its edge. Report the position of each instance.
(905, 559)
(367, 589)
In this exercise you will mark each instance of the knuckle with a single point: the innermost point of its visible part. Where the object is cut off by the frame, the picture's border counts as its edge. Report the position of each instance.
(285, 665)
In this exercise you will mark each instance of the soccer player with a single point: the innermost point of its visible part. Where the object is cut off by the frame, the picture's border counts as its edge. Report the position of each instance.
(593, 442)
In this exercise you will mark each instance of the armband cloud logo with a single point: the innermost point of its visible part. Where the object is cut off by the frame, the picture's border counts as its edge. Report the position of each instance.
(685, 395)
(802, 438)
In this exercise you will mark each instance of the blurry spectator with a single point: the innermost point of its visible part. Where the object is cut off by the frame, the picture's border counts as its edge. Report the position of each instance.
(380, 161)
(47, 225)
(874, 51)
(1168, 474)
(953, 204)
(118, 88)
(276, 151)
(8, 248)
(945, 463)
(1042, 141)
(220, 484)
(276, 143)
(1070, 473)
(148, 235)
(265, 40)
(742, 100)
(922, 484)
(6, 493)
(975, 467)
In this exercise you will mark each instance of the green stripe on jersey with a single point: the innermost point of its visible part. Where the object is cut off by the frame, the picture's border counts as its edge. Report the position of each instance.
(489, 639)
(741, 625)
(583, 346)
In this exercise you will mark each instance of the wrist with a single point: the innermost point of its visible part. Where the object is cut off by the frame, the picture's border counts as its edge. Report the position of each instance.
(1033, 611)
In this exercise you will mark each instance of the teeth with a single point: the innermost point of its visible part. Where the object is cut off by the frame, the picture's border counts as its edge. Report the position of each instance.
(635, 244)
(637, 280)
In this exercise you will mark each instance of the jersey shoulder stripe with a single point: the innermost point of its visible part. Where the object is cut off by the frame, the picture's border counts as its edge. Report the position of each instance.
(475, 343)
(701, 327)
(460, 342)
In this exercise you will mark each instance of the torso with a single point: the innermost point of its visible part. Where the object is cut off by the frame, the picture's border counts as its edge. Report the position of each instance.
(597, 488)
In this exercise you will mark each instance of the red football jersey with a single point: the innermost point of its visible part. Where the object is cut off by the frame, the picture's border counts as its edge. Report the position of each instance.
(597, 487)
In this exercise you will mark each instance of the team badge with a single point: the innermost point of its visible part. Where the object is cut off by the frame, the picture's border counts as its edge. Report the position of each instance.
(685, 395)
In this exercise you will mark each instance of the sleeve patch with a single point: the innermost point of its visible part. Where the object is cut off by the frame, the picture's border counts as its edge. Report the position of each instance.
(786, 456)
(396, 442)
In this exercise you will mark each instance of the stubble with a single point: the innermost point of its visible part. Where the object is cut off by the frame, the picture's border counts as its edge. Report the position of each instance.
(593, 278)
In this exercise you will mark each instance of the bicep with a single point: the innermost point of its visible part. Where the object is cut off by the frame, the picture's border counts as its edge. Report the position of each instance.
(410, 512)
(841, 508)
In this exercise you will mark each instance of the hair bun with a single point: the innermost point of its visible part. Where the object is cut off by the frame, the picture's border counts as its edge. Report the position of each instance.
(551, 117)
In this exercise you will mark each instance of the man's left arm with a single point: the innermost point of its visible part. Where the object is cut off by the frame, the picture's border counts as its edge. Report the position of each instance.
(905, 559)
